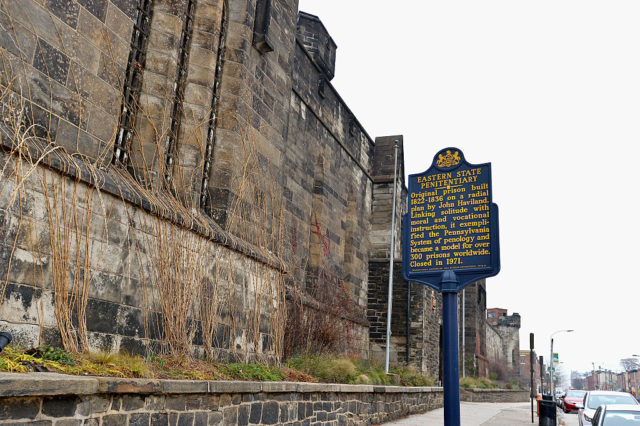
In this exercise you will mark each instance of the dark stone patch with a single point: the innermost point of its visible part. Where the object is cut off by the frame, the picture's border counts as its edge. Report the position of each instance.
(243, 415)
(97, 8)
(51, 62)
(222, 336)
(256, 412)
(133, 346)
(160, 419)
(19, 408)
(59, 406)
(101, 316)
(66, 10)
(128, 7)
(132, 403)
(270, 413)
(139, 419)
(230, 415)
(284, 415)
(267, 343)
(26, 294)
(201, 419)
(185, 419)
(133, 324)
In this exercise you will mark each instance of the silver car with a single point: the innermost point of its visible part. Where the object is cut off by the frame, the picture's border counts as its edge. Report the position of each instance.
(593, 399)
(617, 415)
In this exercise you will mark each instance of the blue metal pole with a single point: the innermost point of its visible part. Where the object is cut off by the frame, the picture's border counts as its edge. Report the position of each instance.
(450, 349)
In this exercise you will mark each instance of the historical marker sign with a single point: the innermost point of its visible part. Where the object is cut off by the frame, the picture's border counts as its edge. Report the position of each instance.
(452, 223)
(450, 239)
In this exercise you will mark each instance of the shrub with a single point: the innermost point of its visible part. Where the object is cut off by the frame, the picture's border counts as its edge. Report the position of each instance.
(363, 379)
(340, 370)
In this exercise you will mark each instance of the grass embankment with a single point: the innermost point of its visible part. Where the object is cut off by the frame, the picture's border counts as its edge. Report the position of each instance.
(341, 370)
(328, 369)
(477, 383)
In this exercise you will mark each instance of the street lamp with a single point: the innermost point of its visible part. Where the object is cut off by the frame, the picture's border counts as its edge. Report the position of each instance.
(551, 387)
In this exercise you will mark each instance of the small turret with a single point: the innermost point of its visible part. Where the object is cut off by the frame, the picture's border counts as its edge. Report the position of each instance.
(318, 42)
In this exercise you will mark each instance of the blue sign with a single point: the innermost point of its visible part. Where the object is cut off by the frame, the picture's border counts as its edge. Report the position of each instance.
(452, 224)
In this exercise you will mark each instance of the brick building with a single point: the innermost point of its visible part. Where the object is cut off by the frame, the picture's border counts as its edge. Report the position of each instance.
(524, 371)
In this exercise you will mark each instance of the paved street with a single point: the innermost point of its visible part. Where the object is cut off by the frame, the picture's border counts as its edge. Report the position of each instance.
(477, 413)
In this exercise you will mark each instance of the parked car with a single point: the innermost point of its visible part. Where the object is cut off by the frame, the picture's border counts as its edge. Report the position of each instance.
(593, 399)
(617, 415)
(571, 399)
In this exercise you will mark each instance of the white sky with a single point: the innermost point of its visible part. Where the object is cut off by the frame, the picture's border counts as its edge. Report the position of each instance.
(548, 91)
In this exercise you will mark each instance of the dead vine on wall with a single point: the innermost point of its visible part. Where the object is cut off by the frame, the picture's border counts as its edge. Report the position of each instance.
(190, 286)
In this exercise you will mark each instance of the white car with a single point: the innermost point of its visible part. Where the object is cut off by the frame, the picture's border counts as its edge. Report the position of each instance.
(617, 415)
(593, 399)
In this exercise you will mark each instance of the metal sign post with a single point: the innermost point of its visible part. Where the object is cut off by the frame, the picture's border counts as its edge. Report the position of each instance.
(531, 364)
(450, 239)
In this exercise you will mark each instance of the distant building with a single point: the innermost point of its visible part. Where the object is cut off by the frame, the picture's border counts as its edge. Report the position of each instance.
(524, 371)
(503, 343)
(473, 335)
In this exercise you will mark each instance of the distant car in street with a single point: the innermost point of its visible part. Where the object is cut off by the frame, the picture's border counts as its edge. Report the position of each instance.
(593, 399)
(616, 415)
(571, 399)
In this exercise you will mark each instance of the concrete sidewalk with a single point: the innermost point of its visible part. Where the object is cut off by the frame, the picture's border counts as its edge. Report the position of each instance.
(479, 413)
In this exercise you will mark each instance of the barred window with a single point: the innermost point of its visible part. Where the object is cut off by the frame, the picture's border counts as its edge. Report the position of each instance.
(133, 82)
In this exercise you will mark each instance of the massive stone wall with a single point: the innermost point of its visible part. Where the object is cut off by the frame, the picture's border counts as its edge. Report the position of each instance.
(416, 309)
(423, 311)
(151, 132)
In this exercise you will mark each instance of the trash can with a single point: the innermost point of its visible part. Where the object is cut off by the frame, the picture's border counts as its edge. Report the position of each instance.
(547, 413)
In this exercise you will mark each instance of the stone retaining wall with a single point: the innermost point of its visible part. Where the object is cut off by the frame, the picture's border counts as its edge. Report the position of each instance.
(493, 395)
(54, 399)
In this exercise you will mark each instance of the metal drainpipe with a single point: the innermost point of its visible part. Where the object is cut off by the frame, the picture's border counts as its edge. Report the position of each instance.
(391, 257)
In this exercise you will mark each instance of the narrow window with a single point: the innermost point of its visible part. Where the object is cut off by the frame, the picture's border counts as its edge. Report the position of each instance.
(132, 82)
(261, 26)
(178, 88)
(213, 115)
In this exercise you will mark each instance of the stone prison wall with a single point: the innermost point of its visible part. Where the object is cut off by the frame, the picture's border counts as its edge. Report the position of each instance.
(173, 171)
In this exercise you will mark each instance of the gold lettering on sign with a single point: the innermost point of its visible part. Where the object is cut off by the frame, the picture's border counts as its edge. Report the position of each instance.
(449, 218)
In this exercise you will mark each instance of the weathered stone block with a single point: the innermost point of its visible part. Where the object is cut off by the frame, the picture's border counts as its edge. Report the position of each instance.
(19, 408)
(270, 413)
(51, 62)
(139, 419)
(59, 406)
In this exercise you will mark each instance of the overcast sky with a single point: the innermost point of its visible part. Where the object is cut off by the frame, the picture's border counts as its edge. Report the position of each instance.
(549, 93)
